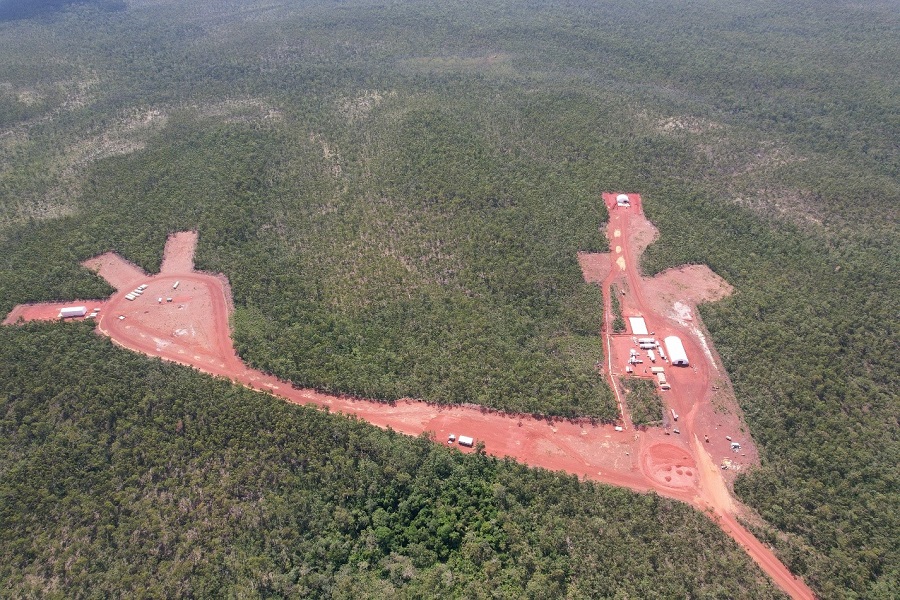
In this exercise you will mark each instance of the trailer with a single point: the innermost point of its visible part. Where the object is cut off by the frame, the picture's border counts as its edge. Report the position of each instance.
(130, 296)
(661, 377)
(72, 311)
(175, 285)
(676, 351)
(652, 355)
(466, 441)
(674, 414)
(656, 370)
(647, 346)
(646, 340)
(662, 353)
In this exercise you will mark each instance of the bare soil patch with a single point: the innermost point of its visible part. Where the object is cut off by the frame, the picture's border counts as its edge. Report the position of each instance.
(671, 466)
(120, 273)
(691, 284)
(48, 311)
(595, 266)
(178, 256)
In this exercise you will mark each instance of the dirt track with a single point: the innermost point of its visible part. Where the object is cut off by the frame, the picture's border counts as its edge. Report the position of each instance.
(193, 329)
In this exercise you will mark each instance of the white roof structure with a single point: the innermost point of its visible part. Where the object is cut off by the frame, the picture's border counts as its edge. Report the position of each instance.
(677, 355)
(72, 311)
(638, 326)
(622, 199)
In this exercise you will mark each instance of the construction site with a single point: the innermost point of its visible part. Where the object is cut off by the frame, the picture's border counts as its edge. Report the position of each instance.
(182, 315)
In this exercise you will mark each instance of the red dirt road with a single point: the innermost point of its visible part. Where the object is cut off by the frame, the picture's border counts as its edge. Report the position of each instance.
(49, 311)
(193, 329)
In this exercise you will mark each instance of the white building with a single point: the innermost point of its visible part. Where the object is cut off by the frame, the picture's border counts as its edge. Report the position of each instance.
(72, 311)
(677, 355)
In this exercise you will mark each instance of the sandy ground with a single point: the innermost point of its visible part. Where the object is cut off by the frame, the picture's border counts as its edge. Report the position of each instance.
(49, 311)
(595, 266)
(179, 255)
(120, 273)
(193, 329)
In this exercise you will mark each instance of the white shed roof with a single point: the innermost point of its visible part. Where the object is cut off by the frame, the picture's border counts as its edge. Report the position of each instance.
(638, 326)
(676, 351)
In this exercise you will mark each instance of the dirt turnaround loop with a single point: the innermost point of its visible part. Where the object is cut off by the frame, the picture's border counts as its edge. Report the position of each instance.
(183, 316)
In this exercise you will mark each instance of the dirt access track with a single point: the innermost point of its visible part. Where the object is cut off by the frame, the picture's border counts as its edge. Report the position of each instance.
(183, 316)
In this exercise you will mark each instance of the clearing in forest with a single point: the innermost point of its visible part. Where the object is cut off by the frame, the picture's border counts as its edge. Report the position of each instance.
(183, 316)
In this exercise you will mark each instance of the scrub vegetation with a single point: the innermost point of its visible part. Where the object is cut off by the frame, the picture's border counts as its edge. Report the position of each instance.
(618, 324)
(397, 193)
(643, 401)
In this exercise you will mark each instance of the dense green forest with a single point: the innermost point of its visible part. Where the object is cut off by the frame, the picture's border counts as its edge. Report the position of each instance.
(397, 192)
(127, 476)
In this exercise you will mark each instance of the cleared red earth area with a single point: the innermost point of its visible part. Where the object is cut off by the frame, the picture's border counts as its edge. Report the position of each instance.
(120, 273)
(183, 316)
(49, 311)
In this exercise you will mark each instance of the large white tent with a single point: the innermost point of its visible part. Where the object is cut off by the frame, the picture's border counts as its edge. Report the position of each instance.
(676, 351)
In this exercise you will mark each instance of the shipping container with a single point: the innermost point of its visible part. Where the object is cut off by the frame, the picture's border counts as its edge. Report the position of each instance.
(175, 285)
(652, 355)
(465, 440)
(656, 370)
